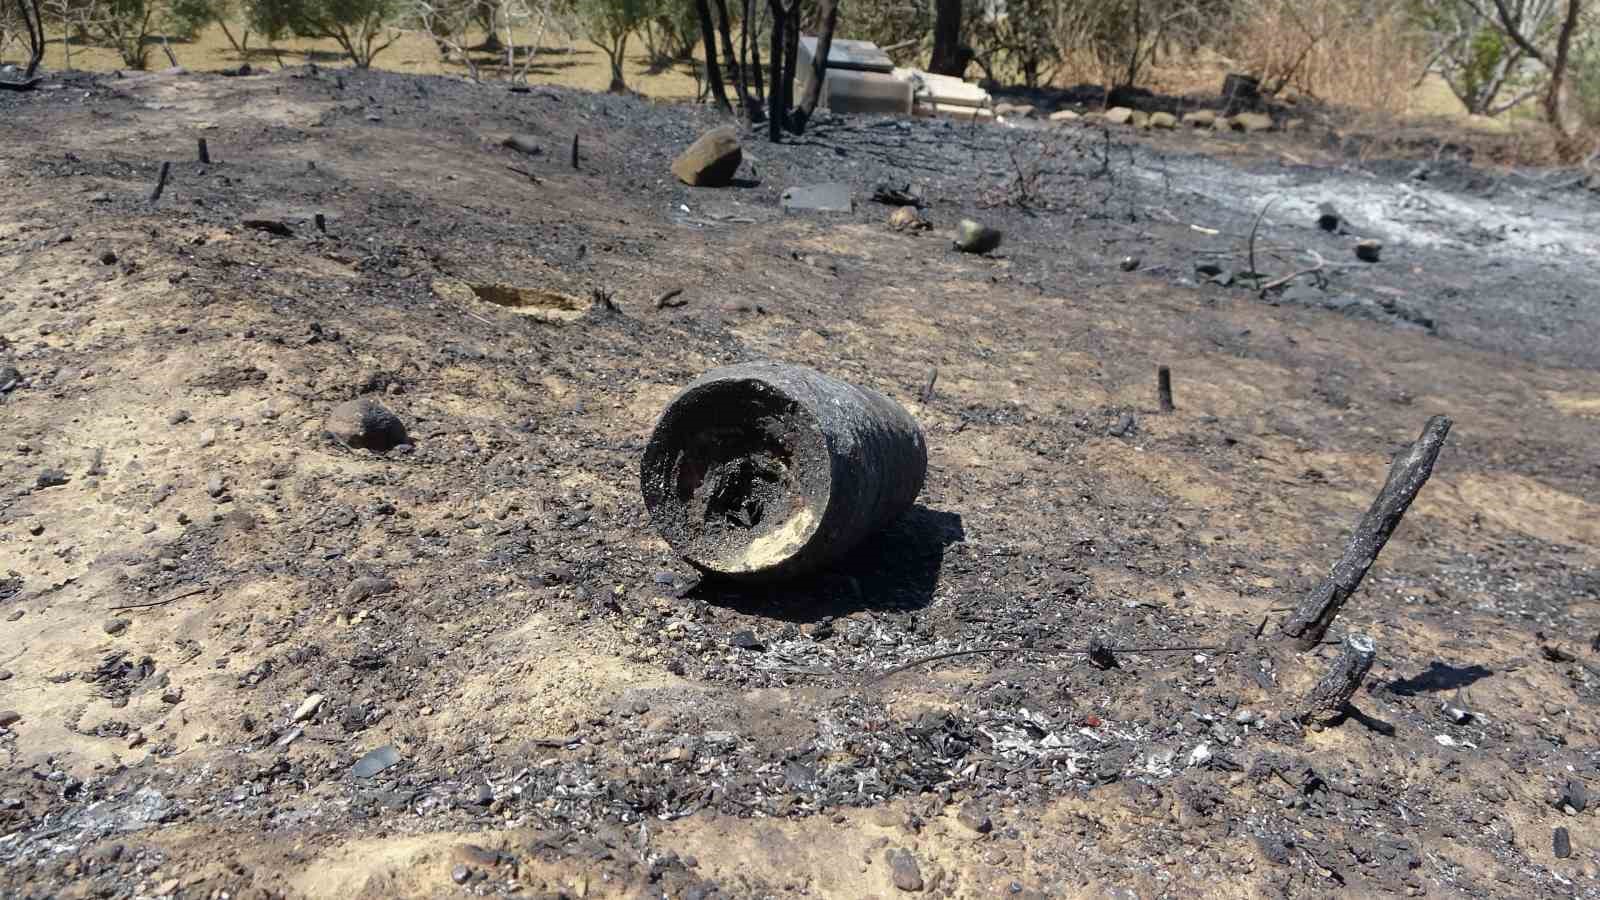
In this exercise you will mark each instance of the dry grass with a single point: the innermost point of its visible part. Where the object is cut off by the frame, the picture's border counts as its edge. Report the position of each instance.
(581, 66)
(1346, 52)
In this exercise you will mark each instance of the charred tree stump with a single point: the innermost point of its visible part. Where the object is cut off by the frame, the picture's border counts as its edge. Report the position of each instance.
(1308, 625)
(204, 153)
(161, 182)
(1332, 694)
(1164, 389)
(762, 471)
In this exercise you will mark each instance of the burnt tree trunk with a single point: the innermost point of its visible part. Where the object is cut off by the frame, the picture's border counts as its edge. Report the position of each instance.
(726, 28)
(708, 34)
(751, 28)
(948, 58)
(819, 66)
(791, 58)
(1309, 623)
(775, 99)
(1332, 694)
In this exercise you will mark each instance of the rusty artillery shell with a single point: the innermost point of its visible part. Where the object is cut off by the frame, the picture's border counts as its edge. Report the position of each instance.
(761, 471)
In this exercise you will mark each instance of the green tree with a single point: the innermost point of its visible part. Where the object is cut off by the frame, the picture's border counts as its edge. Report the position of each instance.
(364, 28)
(609, 24)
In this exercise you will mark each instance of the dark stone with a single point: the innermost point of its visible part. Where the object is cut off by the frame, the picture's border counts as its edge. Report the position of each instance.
(1562, 843)
(745, 640)
(904, 869)
(1129, 263)
(366, 424)
(115, 626)
(50, 478)
(1369, 250)
(1328, 217)
(368, 586)
(973, 816)
(460, 874)
(9, 717)
(1575, 794)
(973, 237)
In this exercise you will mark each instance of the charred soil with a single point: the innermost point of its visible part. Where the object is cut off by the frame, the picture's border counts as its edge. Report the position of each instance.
(244, 659)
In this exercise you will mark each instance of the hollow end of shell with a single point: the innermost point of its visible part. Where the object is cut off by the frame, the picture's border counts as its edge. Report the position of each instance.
(736, 477)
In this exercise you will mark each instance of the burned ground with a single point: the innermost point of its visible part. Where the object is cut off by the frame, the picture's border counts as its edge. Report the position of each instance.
(468, 665)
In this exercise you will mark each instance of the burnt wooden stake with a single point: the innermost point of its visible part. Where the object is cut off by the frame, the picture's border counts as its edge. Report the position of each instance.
(321, 221)
(1308, 624)
(205, 154)
(574, 149)
(1332, 694)
(161, 181)
(1164, 389)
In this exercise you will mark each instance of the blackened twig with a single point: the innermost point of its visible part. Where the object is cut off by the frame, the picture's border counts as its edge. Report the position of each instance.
(1309, 622)
(189, 593)
(1164, 389)
(161, 181)
(1332, 694)
(574, 150)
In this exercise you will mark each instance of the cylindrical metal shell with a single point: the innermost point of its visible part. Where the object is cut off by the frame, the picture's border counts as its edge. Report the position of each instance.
(761, 471)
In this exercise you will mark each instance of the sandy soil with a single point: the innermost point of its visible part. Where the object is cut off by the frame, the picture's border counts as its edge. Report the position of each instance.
(567, 712)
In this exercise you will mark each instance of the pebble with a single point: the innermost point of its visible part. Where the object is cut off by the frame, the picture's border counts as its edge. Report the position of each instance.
(36, 529)
(973, 816)
(183, 518)
(1369, 250)
(904, 869)
(50, 478)
(1562, 843)
(214, 485)
(115, 626)
(147, 527)
(178, 418)
(168, 564)
(366, 424)
(5, 674)
(307, 708)
(1129, 263)
(208, 437)
(9, 717)
(460, 874)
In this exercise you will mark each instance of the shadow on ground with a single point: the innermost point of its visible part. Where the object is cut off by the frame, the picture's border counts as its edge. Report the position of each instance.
(895, 571)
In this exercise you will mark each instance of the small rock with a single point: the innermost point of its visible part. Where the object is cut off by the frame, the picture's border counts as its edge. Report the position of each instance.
(9, 717)
(368, 586)
(50, 478)
(5, 674)
(307, 708)
(1163, 120)
(1562, 842)
(972, 237)
(1125, 427)
(973, 816)
(484, 795)
(745, 640)
(208, 437)
(712, 160)
(365, 424)
(1140, 120)
(375, 761)
(1575, 795)
(36, 529)
(108, 257)
(1328, 217)
(1064, 115)
(115, 626)
(908, 218)
(1253, 121)
(1221, 123)
(147, 527)
(214, 485)
(1129, 263)
(1200, 118)
(1015, 110)
(904, 869)
(1118, 115)
(178, 417)
(523, 143)
(461, 873)
(1369, 250)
